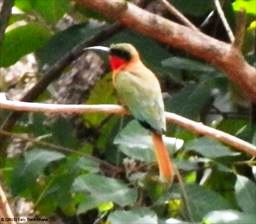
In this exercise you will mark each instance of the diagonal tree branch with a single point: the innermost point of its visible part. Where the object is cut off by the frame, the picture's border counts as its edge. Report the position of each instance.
(220, 54)
(54, 71)
(186, 123)
(4, 17)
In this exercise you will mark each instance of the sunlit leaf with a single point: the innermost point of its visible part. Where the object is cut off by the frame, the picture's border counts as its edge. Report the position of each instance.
(103, 189)
(136, 142)
(248, 5)
(228, 217)
(21, 41)
(103, 92)
(245, 190)
(50, 10)
(209, 148)
(135, 216)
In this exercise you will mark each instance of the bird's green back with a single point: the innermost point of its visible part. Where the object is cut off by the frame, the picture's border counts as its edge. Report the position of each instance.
(141, 94)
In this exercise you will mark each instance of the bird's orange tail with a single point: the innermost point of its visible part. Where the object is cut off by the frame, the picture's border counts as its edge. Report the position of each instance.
(163, 158)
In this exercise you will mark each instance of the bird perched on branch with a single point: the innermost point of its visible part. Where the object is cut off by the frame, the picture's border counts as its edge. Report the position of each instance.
(139, 90)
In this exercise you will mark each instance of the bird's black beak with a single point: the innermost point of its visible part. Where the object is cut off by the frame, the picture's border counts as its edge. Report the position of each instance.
(98, 48)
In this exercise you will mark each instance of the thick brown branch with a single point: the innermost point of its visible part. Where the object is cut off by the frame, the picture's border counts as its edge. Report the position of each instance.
(193, 126)
(224, 56)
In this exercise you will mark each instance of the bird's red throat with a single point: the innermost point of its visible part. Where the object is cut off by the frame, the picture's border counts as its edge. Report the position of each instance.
(116, 62)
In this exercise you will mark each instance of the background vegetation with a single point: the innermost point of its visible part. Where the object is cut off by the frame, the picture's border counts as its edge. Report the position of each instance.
(100, 168)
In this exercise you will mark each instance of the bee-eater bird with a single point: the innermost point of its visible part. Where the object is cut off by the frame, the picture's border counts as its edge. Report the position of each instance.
(139, 91)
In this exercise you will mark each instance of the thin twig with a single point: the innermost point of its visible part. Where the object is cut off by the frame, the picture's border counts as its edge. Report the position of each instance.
(240, 28)
(185, 195)
(186, 123)
(207, 19)
(5, 208)
(4, 17)
(178, 15)
(224, 20)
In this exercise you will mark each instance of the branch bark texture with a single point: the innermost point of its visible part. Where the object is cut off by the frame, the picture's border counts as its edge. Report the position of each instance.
(224, 56)
(186, 123)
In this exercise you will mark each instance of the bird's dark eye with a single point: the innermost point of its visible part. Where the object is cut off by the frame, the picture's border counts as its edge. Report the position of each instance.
(121, 53)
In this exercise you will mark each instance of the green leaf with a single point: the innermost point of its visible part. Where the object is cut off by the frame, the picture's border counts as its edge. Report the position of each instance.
(24, 5)
(21, 41)
(136, 142)
(186, 64)
(17, 17)
(135, 216)
(209, 148)
(88, 203)
(87, 164)
(50, 10)
(202, 201)
(245, 190)
(103, 189)
(191, 99)
(62, 42)
(106, 206)
(248, 5)
(228, 217)
(57, 191)
(103, 92)
(223, 172)
(29, 169)
(63, 133)
(233, 126)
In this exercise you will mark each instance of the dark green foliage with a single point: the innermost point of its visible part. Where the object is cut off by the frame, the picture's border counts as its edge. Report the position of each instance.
(21, 41)
(63, 42)
(101, 190)
(50, 10)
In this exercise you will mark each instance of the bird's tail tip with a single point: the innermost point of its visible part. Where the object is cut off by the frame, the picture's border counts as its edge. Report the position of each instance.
(166, 168)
